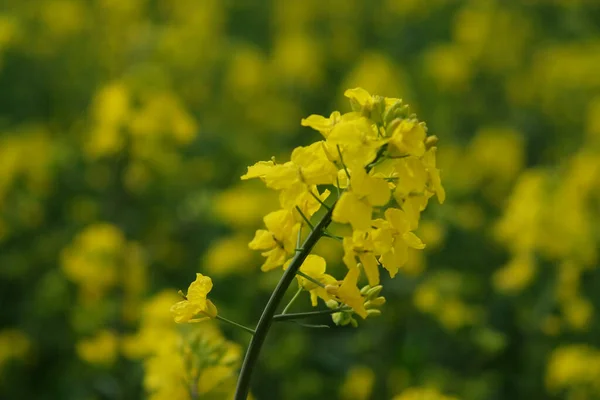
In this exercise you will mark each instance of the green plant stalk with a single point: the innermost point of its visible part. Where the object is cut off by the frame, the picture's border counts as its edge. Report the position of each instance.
(308, 314)
(264, 323)
(230, 322)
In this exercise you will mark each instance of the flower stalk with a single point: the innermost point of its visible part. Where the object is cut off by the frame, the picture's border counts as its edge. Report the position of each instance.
(266, 319)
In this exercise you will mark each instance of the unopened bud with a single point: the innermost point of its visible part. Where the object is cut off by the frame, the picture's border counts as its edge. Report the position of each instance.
(374, 292)
(373, 313)
(391, 127)
(392, 112)
(378, 302)
(365, 290)
(331, 289)
(341, 318)
(332, 304)
(180, 292)
(431, 141)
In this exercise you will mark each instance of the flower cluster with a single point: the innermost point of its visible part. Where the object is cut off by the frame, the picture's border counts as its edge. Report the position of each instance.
(380, 161)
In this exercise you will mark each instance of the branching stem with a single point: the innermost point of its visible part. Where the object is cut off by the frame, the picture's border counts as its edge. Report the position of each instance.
(264, 323)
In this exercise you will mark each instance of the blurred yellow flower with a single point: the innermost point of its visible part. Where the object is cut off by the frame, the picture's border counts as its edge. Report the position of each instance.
(101, 349)
(358, 383)
(14, 344)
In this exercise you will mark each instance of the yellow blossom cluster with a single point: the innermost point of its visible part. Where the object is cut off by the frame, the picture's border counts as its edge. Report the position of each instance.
(381, 162)
(100, 259)
(14, 345)
(573, 370)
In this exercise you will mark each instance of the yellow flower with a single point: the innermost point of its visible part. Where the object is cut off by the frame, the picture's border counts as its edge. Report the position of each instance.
(322, 124)
(399, 226)
(349, 294)
(360, 97)
(357, 138)
(408, 138)
(315, 266)
(356, 205)
(279, 239)
(300, 196)
(351, 209)
(434, 174)
(411, 177)
(361, 246)
(195, 302)
(309, 165)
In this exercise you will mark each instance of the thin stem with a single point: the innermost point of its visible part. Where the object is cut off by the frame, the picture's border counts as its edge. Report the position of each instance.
(310, 325)
(230, 322)
(292, 300)
(312, 228)
(299, 237)
(319, 200)
(342, 161)
(264, 323)
(310, 278)
(308, 314)
(332, 236)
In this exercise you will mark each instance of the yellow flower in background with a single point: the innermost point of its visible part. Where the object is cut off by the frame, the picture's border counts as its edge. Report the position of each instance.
(101, 349)
(196, 304)
(14, 345)
(417, 393)
(516, 275)
(574, 366)
(358, 384)
(228, 255)
(93, 257)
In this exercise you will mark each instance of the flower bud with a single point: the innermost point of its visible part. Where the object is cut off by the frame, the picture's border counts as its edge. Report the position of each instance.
(332, 304)
(331, 289)
(431, 141)
(374, 292)
(378, 302)
(373, 313)
(391, 127)
(365, 289)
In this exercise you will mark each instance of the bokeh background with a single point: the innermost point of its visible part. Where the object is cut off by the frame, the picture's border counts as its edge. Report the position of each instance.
(124, 128)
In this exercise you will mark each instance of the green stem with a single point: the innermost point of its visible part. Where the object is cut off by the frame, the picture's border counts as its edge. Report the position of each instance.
(310, 278)
(310, 225)
(264, 323)
(230, 322)
(287, 317)
(292, 300)
(332, 236)
(319, 200)
(342, 161)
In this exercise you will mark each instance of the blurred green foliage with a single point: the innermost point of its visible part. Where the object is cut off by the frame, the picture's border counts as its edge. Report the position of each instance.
(124, 128)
